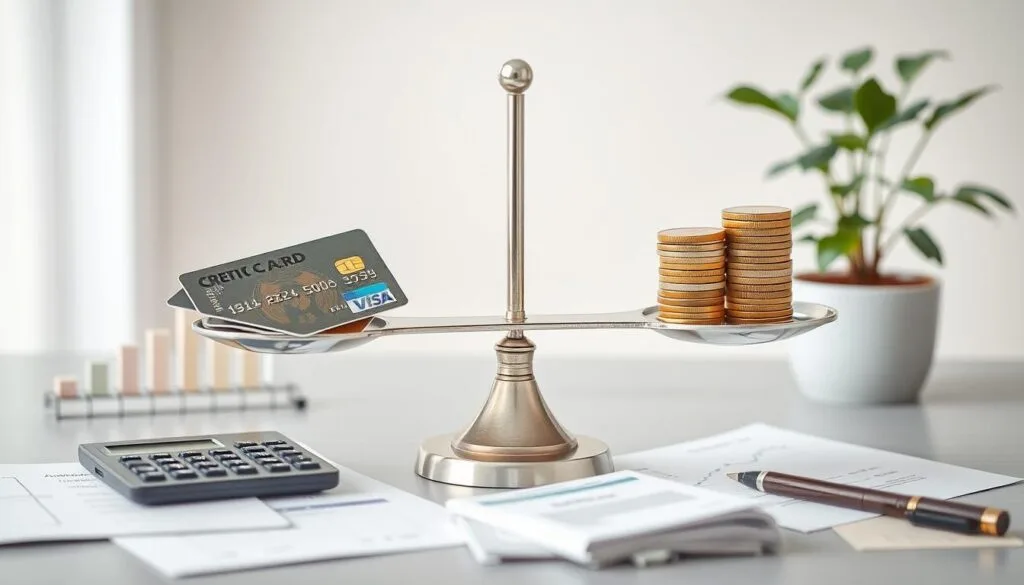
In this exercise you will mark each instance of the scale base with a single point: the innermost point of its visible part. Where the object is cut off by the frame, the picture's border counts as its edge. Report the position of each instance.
(437, 461)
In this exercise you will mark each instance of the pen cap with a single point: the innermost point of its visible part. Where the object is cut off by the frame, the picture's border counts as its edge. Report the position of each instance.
(991, 521)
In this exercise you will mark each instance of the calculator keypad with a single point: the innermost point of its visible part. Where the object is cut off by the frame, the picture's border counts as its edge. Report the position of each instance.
(247, 458)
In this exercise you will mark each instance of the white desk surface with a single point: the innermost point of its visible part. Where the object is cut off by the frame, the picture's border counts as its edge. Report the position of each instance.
(369, 413)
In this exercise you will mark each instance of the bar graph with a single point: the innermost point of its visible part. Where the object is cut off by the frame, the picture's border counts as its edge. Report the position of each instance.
(176, 371)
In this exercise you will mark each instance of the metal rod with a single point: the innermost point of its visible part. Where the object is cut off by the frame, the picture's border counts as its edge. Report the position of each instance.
(515, 77)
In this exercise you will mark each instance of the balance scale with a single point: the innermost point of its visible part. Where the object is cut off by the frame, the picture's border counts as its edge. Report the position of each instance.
(516, 441)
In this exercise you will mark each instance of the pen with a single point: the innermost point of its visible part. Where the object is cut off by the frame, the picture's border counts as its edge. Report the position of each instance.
(918, 510)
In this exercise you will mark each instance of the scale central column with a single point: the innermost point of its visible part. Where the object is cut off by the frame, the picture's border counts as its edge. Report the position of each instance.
(515, 441)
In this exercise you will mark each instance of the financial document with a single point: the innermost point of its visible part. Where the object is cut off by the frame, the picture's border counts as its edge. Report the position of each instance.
(361, 517)
(63, 501)
(704, 463)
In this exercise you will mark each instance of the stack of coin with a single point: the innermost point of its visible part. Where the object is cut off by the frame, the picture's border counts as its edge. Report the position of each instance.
(691, 275)
(760, 268)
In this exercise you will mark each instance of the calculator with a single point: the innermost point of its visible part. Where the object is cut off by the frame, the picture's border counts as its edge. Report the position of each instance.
(208, 467)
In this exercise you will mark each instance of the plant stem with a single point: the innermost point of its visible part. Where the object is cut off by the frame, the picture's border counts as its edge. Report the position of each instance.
(883, 150)
(890, 198)
(909, 221)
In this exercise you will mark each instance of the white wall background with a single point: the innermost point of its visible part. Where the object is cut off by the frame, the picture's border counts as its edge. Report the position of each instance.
(286, 121)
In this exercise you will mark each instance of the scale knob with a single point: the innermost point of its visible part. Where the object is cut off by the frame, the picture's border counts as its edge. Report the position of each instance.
(515, 76)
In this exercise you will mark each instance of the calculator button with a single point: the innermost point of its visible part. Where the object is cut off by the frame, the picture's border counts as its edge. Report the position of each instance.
(189, 453)
(245, 469)
(268, 460)
(159, 456)
(306, 465)
(253, 449)
(288, 453)
(196, 458)
(281, 448)
(184, 474)
(235, 463)
(201, 465)
(174, 466)
(299, 459)
(232, 457)
(278, 467)
(274, 442)
(127, 458)
(152, 476)
(215, 472)
(220, 452)
(144, 468)
(242, 444)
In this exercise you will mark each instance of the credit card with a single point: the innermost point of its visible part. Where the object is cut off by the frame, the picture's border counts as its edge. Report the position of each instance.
(300, 290)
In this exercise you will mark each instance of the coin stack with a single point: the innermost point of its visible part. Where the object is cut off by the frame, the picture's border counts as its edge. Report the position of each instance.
(759, 287)
(691, 275)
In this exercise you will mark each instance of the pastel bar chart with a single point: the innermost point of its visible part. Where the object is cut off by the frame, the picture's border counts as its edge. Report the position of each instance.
(172, 371)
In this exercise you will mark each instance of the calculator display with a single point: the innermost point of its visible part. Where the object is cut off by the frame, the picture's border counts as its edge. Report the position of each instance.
(142, 448)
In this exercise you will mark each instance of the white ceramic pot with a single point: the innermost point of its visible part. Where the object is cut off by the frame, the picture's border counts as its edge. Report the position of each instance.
(878, 350)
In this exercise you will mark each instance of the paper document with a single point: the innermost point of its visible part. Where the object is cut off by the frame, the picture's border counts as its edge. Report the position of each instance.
(360, 517)
(885, 533)
(704, 463)
(63, 501)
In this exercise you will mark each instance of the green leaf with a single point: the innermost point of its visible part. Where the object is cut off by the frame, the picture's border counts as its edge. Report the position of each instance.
(804, 214)
(789, 104)
(780, 167)
(751, 96)
(855, 223)
(923, 186)
(951, 107)
(849, 141)
(873, 104)
(812, 75)
(844, 190)
(830, 248)
(840, 100)
(970, 200)
(854, 61)
(992, 194)
(905, 116)
(818, 157)
(910, 66)
(924, 244)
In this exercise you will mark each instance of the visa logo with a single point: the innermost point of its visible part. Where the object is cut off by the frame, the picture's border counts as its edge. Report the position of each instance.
(370, 301)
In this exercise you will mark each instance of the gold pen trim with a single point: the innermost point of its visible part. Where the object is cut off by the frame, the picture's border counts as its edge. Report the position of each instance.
(989, 521)
(912, 503)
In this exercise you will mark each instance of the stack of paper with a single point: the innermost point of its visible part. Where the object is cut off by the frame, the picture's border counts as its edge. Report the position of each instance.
(613, 518)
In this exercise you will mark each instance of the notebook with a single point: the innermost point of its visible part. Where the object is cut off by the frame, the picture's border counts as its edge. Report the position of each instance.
(625, 516)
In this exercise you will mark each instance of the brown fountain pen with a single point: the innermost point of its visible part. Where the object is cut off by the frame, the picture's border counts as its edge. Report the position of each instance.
(920, 511)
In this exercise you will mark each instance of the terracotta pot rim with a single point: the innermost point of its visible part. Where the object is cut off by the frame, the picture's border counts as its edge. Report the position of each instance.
(916, 282)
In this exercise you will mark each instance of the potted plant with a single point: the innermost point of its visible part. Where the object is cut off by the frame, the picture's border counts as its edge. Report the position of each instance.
(880, 349)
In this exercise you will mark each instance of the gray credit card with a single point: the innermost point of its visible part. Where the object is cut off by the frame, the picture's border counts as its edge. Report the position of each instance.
(300, 290)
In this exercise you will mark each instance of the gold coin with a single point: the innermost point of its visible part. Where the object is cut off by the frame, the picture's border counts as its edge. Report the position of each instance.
(679, 287)
(691, 294)
(756, 259)
(759, 288)
(711, 247)
(757, 252)
(743, 321)
(757, 212)
(715, 301)
(765, 307)
(756, 225)
(780, 265)
(687, 273)
(764, 242)
(735, 273)
(759, 233)
(676, 321)
(780, 297)
(691, 235)
(691, 312)
(760, 314)
(692, 279)
(676, 265)
(755, 280)
(709, 254)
